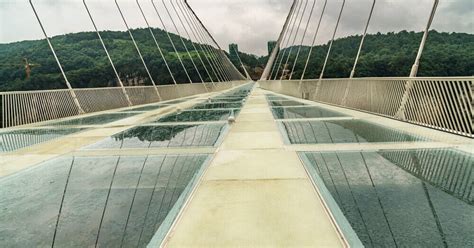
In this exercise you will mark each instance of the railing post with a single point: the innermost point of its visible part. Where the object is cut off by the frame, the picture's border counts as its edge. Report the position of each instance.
(71, 91)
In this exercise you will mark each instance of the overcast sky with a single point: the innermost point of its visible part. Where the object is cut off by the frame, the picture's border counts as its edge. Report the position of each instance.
(249, 23)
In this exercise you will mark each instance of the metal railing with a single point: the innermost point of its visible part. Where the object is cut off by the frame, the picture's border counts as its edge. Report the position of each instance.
(441, 103)
(26, 107)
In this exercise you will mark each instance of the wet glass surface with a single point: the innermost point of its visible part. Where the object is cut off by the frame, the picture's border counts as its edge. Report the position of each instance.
(276, 98)
(163, 136)
(304, 112)
(286, 103)
(93, 120)
(176, 101)
(217, 105)
(225, 100)
(408, 198)
(145, 108)
(343, 131)
(105, 201)
(204, 115)
(17, 139)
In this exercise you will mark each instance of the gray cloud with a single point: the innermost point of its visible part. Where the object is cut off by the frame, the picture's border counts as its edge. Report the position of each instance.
(249, 23)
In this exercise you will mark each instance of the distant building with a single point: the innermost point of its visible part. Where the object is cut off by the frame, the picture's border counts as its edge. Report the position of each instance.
(233, 52)
(270, 46)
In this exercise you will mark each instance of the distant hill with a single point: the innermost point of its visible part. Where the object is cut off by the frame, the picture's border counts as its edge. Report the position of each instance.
(391, 55)
(85, 63)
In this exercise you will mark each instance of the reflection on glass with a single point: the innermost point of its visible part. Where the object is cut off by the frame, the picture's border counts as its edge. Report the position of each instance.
(225, 100)
(93, 202)
(205, 115)
(94, 120)
(392, 205)
(145, 108)
(16, 139)
(276, 98)
(176, 101)
(304, 112)
(163, 136)
(218, 105)
(286, 103)
(343, 131)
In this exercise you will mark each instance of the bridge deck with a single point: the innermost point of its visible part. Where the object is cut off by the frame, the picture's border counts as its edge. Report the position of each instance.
(289, 172)
(255, 193)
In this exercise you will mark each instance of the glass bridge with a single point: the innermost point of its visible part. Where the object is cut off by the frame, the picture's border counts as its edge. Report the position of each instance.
(176, 172)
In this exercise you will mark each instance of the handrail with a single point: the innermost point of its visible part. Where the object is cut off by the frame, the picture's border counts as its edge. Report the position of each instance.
(443, 103)
(26, 107)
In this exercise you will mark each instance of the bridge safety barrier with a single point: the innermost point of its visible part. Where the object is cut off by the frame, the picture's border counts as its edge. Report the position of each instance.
(26, 107)
(440, 103)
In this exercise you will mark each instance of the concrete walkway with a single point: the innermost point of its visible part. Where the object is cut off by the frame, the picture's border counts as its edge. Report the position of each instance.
(255, 193)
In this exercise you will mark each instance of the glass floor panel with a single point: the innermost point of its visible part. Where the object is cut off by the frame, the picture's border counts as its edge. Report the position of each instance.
(204, 115)
(163, 136)
(145, 108)
(304, 112)
(176, 101)
(276, 98)
(343, 131)
(93, 120)
(217, 105)
(17, 139)
(286, 103)
(407, 198)
(105, 201)
(226, 100)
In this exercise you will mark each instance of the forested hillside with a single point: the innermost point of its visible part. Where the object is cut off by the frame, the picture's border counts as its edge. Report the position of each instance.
(391, 55)
(86, 65)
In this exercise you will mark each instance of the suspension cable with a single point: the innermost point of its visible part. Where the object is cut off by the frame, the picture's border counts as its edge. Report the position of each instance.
(362, 40)
(189, 37)
(107, 53)
(294, 39)
(138, 49)
(213, 53)
(182, 40)
(171, 41)
(156, 42)
(197, 37)
(283, 37)
(314, 40)
(332, 40)
(231, 68)
(288, 39)
(302, 39)
(71, 91)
